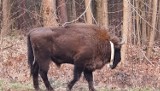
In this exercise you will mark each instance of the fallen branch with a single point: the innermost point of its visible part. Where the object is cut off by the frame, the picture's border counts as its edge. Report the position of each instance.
(146, 58)
(7, 47)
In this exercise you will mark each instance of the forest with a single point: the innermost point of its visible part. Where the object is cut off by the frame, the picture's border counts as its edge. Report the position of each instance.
(135, 21)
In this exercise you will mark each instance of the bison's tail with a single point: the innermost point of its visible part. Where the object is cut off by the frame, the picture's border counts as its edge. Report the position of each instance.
(30, 54)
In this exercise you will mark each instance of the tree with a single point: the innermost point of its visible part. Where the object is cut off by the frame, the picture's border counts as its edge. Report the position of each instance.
(49, 13)
(102, 15)
(137, 4)
(144, 27)
(125, 29)
(158, 34)
(88, 11)
(105, 13)
(6, 22)
(152, 32)
(63, 11)
(71, 8)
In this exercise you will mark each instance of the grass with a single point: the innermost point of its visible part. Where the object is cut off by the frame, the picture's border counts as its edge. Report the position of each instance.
(59, 86)
(20, 87)
(14, 86)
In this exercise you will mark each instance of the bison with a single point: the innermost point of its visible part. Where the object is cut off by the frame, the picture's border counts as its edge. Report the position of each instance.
(87, 47)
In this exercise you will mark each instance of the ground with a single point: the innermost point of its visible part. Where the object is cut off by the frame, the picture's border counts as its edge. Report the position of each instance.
(137, 74)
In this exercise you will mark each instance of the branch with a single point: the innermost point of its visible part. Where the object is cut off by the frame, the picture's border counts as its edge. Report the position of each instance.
(7, 47)
(146, 58)
(132, 6)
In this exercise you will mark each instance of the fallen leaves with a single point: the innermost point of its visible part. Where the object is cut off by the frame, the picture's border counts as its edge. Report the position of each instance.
(137, 72)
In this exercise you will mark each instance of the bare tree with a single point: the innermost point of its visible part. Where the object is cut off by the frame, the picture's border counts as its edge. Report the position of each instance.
(49, 12)
(152, 32)
(159, 22)
(88, 11)
(126, 20)
(63, 11)
(71, 6)
(105, 13)
(6, 22)
(144, 25)
(137, 4)
(102, 15)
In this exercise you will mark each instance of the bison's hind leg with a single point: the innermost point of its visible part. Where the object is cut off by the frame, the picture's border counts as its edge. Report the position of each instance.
(35, 69)
(77, 75)
(43, 70)
(43, 74)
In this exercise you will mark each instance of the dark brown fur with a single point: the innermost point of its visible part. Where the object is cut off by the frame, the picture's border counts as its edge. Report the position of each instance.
(85, 46)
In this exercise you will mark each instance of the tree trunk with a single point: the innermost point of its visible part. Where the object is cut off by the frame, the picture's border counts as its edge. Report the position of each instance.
(102, 15)
(130, 24)
(134, 24)
(6, 22)
(71, 6)
(138, 23)
(49, 13)
(63, 11)
(149, 17)
(159, 23)
(144, 32)
(88, 12)
(152, 32)
(105, 13)
(125, 29)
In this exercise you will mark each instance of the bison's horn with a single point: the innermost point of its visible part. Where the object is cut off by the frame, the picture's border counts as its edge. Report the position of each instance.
(122, 42)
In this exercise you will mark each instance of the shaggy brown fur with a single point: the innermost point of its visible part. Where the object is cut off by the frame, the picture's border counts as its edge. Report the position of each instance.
(86, 46)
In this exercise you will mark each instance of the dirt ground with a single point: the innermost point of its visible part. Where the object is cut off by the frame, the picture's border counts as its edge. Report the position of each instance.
(137, 74)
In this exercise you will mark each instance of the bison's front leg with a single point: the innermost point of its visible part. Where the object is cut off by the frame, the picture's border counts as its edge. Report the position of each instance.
(77, 75)
(89, 77)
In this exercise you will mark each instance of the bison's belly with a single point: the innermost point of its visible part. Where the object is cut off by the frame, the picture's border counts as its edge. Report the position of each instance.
(61, 58)
(94, 65)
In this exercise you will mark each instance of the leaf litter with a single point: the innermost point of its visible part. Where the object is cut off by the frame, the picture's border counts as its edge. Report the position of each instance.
(137, 72)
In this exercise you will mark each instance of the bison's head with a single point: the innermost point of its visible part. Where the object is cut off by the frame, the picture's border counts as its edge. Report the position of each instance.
(115, 52)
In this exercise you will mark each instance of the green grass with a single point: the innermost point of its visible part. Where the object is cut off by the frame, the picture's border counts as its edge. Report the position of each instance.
(143, 89)
(16, 86)
(1, 82)
(19, 86)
